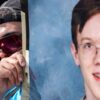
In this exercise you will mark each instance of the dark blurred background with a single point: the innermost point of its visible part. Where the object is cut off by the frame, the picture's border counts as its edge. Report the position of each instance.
(2, 1)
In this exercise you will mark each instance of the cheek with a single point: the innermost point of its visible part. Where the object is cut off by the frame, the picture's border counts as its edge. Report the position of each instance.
(86, 64)
(2, 55)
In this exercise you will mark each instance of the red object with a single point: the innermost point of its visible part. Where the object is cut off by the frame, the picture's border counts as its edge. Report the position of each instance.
(11, 43)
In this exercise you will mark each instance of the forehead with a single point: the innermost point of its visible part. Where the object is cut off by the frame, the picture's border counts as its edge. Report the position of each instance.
(91, 28)
(10, 27)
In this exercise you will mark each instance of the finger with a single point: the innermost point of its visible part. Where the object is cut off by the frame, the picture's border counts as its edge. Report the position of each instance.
(20, 58)
(12, 68)
(20, 72)
(9, 68)
(9, 75)
(8, 84)
(19, 69)
(3, 86)
(8, 64)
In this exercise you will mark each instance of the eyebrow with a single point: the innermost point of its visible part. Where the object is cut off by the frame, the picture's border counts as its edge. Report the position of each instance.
(8, 34)
(86, 38)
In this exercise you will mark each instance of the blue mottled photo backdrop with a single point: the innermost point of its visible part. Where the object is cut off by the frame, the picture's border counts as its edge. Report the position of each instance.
(56, 75)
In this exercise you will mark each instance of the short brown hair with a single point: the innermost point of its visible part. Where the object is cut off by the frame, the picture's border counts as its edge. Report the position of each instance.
(83, 10)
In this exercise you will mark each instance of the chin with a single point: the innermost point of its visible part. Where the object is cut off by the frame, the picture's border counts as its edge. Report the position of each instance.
(97, 95)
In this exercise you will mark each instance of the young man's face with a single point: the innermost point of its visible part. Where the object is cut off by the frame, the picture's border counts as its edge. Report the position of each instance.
(88, 56)
(8, 32)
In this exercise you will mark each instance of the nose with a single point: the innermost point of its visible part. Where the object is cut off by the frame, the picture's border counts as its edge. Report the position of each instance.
(97, 57)
(98, 50)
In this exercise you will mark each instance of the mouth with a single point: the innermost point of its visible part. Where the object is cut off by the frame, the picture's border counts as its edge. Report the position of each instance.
(96, 76)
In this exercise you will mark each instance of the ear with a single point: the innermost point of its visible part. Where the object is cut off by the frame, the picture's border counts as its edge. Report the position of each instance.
(75, 54)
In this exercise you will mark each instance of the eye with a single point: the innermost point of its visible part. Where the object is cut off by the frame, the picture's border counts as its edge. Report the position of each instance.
(87, 45)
